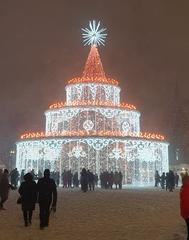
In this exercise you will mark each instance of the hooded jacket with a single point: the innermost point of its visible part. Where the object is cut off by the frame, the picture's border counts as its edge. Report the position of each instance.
(184, 200)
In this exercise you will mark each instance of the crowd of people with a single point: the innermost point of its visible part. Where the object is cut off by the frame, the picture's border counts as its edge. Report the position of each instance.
(68, 179)
(87, 180)
(167, 181)
(41, 188)
(109, 179)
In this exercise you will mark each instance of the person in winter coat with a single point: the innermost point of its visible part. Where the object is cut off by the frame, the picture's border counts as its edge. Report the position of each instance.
(4, 188)
(157, 178)
(91, 180)
(163, 177)
(47, 198)
(176, 180)
(75, 180)
(84, 180)
(28, 193)
(22, 175)
(184, 201)
(116, 178)
(171, 181)
(14, 175)
(167, 181)
(65, 178)
(110, 179)
(120, 180)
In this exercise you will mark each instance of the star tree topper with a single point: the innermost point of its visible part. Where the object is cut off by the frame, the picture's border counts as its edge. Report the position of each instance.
(94, 35)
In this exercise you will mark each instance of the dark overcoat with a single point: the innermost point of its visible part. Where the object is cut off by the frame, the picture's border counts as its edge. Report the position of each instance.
(28, 193)
(4, 186)
(47, 192)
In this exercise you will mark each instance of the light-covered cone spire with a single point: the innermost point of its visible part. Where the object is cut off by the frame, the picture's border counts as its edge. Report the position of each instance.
(93, 66)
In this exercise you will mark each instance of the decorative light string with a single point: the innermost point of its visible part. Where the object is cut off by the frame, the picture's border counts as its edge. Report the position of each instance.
(91, 103)
(93, 79)
(82, 133)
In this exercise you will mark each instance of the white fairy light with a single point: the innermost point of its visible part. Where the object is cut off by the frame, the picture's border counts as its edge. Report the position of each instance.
(94, 34)
(77, 152)
(94, 130)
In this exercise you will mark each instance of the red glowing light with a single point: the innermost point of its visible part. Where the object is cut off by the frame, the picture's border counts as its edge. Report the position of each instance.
(92, 103)
(93, 71)
(93, 80)
(83, 133)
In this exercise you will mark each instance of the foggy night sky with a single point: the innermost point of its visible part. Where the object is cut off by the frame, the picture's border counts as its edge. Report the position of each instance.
(147, 50)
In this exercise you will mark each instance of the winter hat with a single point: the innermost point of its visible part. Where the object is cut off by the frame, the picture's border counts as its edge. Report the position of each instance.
(28, 177)
(47, 173)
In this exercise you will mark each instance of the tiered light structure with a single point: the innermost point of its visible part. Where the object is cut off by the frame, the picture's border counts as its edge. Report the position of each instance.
(92, 129)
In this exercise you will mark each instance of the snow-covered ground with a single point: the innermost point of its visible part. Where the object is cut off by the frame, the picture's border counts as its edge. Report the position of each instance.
(129, 214)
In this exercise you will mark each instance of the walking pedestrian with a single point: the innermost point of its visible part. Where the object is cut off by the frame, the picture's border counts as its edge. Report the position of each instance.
(22, 176)
(110, 179)
(91, 180)
(176, 179)
(14, 174)
(171, 181)
(157, 178)
(96, 179)
(163, 177)
(84, 180)
(47, 198)
(75, 180)
(120, 180)
(28, 193)
(116, 179)
(4, 188)
(167, 181)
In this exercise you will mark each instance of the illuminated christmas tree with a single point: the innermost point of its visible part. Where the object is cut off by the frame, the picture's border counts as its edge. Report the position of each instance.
(92, 129)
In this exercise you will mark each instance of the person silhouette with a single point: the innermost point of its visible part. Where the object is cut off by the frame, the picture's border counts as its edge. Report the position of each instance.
(47, 198)
(28, 193)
